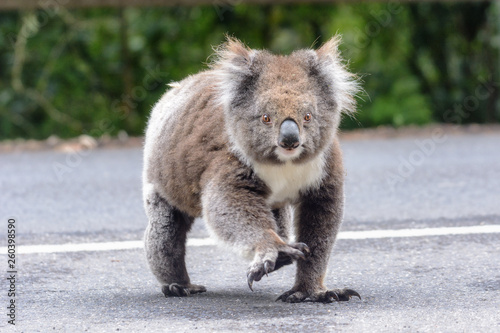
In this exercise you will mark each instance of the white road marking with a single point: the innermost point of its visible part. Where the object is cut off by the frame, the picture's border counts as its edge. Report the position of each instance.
(368, 234)
(477, 229)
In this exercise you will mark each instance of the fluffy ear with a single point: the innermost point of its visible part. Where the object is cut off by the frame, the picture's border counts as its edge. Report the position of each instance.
(345, 85)
(330, 50)
(233, 55)
(233, 67)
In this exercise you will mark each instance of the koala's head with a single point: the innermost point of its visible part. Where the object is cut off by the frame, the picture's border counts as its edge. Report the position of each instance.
(283, 108)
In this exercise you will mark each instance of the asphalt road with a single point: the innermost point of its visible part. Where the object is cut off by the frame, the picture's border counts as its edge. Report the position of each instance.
(447, 283)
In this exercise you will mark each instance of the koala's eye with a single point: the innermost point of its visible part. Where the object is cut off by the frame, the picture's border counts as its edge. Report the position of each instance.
(307, 117)
(266, 119)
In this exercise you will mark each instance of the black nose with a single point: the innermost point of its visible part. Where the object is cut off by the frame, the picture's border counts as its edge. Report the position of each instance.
(289, 134)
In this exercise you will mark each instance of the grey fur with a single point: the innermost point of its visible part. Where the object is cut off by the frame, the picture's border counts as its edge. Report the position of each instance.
(210, 152)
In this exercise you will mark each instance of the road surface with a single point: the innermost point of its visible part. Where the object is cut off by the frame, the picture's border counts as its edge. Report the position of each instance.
(420, 242)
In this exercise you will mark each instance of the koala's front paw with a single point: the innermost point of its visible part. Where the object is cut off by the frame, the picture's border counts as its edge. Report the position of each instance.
(324, 296)
(270, 261)
(175, 289)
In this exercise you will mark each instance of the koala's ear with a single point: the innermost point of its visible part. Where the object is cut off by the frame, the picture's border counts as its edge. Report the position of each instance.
(234, 70)
(233, 55)
(329, 51)
(345, 85)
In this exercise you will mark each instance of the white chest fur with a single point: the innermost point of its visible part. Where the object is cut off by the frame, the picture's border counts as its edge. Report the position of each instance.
(287, 180)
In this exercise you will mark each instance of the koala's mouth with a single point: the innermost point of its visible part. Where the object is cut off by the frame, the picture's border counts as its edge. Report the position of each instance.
(288, 150)
(287, 154)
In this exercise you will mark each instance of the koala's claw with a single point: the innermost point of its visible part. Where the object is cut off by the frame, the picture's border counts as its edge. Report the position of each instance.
(287, 257)
(346, 294)
(292, 296)
(258, 271)
(175, 289)
(326, 296)
(302, 248)
(268, 262)
(267, 267)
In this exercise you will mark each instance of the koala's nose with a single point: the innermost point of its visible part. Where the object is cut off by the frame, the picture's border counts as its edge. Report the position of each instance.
(289, 134)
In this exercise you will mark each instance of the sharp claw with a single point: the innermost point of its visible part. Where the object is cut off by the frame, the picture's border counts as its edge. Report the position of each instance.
(333, 295)
(346, 294)
(250, 282)
(351, 293)
(303, 247)
(174, 290)
(269, 266)
(178, 291)
(283, 297)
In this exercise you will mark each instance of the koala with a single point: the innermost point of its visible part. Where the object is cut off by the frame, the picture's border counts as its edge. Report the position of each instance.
(251, 145)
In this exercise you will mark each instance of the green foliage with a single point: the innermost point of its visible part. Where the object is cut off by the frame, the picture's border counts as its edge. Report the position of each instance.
(98, 71)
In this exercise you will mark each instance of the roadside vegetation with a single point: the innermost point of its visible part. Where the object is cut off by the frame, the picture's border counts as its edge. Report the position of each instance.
(99, 71)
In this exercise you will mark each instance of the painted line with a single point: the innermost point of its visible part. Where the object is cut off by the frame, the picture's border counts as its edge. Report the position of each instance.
(369, 234)
(81, 247)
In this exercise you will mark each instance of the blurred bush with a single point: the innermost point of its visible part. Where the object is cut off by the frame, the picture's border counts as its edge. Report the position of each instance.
(99, 71)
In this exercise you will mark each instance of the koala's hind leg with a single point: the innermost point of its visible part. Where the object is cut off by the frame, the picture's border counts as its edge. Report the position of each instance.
(165, 244)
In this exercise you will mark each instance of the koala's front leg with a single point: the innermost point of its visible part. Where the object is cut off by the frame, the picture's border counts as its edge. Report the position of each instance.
(235, 209)
(318, 218)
